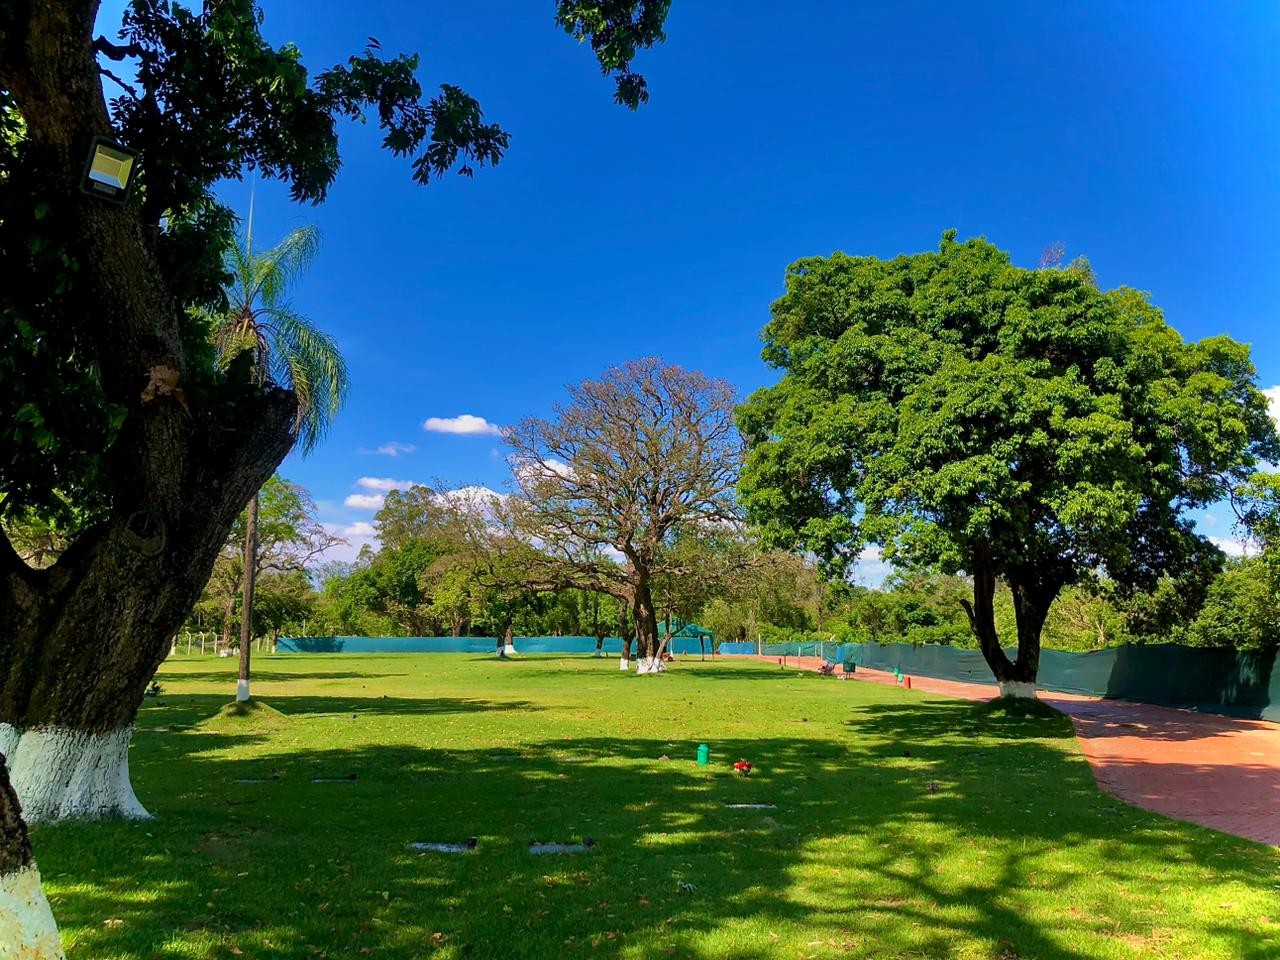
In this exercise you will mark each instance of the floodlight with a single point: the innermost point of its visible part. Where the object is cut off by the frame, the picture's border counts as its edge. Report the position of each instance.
(109, 170)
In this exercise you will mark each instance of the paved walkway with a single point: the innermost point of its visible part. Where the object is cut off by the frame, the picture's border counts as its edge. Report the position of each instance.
(1219, 772)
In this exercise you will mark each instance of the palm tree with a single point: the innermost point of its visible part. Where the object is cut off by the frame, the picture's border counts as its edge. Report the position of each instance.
(286, 350)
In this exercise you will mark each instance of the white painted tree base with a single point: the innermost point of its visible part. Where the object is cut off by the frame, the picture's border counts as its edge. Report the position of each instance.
(624, 663)
(27, 930)
(60, 773)
(647, 665)
(509, 649)
(1017, 688)
(242, 691)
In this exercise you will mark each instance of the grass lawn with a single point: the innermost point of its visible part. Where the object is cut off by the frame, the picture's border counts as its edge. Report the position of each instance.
(905, 825)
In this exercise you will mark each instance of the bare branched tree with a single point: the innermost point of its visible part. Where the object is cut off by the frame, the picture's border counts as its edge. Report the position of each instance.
(605, 487)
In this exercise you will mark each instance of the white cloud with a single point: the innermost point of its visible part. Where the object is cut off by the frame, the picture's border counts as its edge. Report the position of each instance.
(871, 568)
(393, 449)
(364, 501)
(1232, 548)
(383, 484)
(480, 500)
(476, 493)
(529, 470)
(1273, 399)
(465, 425)
(357, 535)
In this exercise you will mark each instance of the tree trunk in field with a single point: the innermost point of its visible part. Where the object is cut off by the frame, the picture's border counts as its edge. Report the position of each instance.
(85, 636)
(1032, 598)
(508, 641)
(599, 640)
(27, 929)
(624, 631)
(664, 649)
(649, 658)
(81, 639)
(246, 595)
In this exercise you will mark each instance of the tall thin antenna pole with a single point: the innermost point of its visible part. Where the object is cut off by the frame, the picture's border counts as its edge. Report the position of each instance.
(248, 240)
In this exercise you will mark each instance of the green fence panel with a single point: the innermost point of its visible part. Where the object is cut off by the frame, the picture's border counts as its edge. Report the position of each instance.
(1230, 682)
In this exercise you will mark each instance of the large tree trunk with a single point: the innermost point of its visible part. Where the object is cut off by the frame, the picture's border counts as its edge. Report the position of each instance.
(1032, 597)
(80, 639)
(649, 659)
(246, 597)
(599, 640)
(85, 636)
(27, 929)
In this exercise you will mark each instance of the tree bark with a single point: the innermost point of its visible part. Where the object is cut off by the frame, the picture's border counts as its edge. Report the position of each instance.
(1032, 597)
(624, 631)
(649, 660)
(27, 927)
(599, 640)
(85, 636)
(246, 597)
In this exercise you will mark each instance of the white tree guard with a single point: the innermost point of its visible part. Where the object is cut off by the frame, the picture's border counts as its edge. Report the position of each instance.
(27, 930)
(60, 773)
(1017, 688)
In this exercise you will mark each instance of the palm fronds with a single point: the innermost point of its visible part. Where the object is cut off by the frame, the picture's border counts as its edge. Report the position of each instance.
(287, 348)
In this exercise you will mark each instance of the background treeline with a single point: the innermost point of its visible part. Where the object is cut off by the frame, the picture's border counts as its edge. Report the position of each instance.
(423, 581)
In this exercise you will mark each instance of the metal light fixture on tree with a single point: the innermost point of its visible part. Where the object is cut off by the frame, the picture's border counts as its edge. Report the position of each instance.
(109, 170)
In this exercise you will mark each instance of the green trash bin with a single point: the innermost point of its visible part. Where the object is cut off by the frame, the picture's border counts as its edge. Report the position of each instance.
(849, 666)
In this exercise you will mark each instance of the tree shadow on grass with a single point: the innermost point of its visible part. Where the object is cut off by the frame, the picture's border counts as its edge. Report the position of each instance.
(229, 675)
(959, 848)
(926, 720)
(185, 710)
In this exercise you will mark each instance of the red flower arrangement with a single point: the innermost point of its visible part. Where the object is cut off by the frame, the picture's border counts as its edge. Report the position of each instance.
(743, 767)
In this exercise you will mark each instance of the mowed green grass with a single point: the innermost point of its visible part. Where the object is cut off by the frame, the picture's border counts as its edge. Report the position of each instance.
(905, 826)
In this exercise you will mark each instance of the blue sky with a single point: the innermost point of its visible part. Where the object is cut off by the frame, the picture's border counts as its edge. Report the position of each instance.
(1144, 136)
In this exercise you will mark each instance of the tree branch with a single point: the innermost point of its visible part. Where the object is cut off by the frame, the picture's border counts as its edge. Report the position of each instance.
(127, 87)
(115, 51)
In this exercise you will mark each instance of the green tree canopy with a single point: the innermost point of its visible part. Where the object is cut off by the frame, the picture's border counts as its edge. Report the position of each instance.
(209, 99)
(1017, 425)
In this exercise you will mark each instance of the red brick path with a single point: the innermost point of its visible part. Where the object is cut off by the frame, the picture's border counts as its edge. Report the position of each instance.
(1216, 771)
